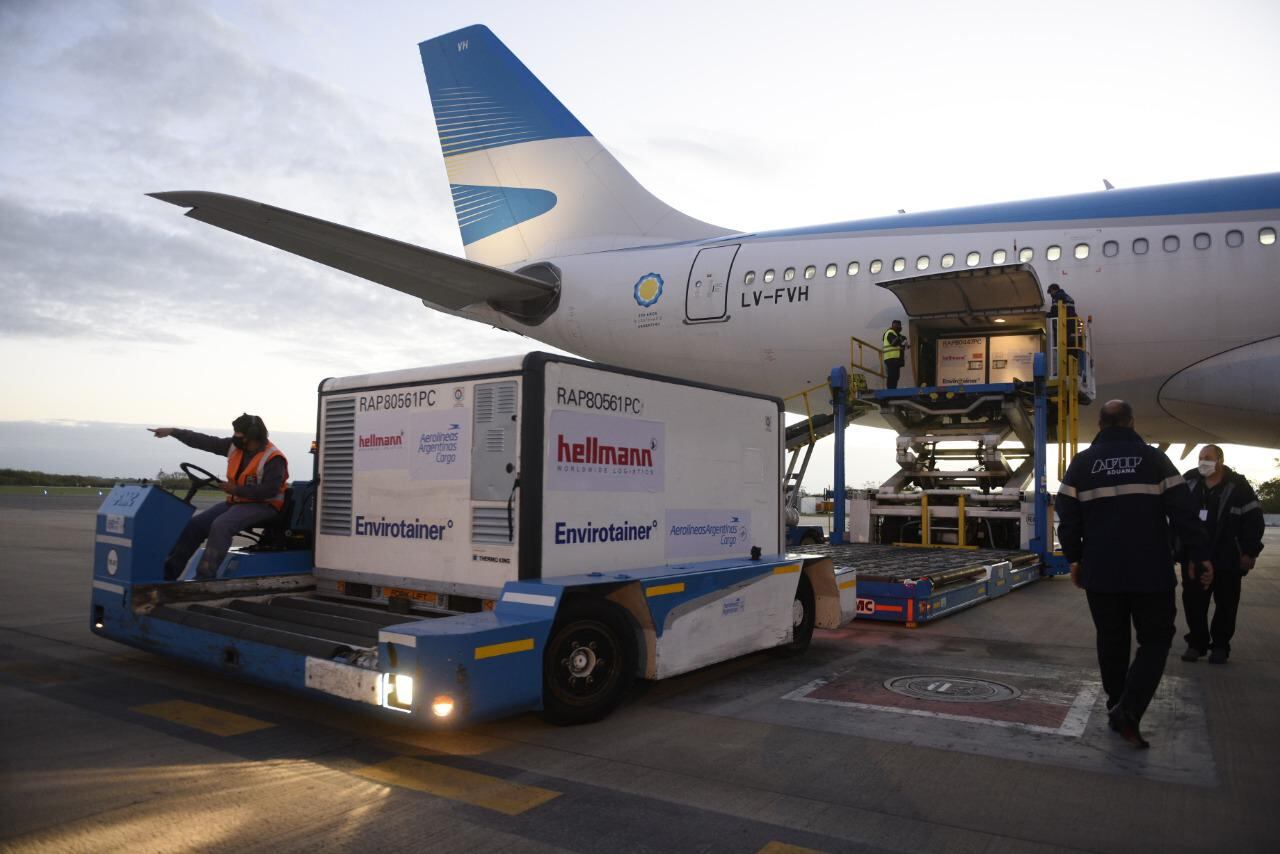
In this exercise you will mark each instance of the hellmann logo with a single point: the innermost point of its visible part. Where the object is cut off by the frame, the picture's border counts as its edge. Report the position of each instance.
(373, 440)
(593, 452)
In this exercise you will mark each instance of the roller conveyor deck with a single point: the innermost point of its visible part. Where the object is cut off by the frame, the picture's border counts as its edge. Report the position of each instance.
(908, 584)
(875, 562)
(312, 625)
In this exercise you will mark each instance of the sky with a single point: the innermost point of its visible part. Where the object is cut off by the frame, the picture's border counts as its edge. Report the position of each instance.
(117, 309)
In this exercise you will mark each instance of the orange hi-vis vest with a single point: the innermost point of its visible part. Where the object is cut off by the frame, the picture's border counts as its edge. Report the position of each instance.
(252, 474)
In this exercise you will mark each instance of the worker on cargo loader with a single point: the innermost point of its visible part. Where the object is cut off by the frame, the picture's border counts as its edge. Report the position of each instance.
(1060, 301)
(257, 475)
(1115, 506)
(892, 350)
(1231, 517)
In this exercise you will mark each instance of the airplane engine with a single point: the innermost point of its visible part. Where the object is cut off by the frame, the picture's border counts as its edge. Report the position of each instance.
(1234, 394)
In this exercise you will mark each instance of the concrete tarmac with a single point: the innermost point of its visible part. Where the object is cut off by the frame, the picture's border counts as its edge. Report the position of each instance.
(107, 748)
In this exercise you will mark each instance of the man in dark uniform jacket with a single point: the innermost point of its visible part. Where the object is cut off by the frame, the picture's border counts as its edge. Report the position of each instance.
(1231, 516)
(1115, 507)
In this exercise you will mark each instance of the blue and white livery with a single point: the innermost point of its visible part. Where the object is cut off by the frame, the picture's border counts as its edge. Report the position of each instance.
(564, 246)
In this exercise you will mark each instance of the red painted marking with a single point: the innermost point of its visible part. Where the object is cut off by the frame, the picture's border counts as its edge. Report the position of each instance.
(894, 609)
(911, 610)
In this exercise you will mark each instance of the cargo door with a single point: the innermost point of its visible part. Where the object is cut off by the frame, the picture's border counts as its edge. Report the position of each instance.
(979, 297)
(707, 295)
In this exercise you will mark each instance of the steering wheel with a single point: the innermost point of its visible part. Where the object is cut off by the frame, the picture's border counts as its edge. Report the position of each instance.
(199, 477)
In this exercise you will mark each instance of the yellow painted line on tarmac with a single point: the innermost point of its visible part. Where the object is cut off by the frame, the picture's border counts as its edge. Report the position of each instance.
(783, 570)
(784, 848)
(495, 649)
(204, 718)
(479, 790)
(663, 589)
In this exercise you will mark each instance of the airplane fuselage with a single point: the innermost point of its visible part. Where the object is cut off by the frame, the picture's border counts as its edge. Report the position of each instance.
(774, 313)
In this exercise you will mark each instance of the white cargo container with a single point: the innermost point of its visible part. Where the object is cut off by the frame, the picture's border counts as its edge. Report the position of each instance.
(460, 478)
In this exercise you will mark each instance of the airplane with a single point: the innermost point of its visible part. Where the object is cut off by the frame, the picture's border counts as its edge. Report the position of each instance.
(564, 246)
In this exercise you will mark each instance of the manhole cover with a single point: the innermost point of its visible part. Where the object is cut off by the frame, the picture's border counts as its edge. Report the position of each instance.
(952, 689)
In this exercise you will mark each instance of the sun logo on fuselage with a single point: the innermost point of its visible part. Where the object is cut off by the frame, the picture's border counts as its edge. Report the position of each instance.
(648, 289)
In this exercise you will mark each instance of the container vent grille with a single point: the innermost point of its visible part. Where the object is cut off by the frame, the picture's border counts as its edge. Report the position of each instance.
(337, 464)
(489, 525)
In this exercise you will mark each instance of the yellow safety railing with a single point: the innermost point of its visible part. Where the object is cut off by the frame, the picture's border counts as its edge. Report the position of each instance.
(859, 351)
(808, 408)
(1070, 341)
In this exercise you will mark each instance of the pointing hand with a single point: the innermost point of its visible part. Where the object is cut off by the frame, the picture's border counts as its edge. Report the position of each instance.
(161, 432)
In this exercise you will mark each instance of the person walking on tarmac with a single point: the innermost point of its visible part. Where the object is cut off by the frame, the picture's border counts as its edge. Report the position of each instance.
(892, 349)
(1115, 507)
(1232, 520)
(257, 476)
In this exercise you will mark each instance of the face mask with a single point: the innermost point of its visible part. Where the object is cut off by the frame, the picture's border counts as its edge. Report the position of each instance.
(1208, 467)
(239, 443)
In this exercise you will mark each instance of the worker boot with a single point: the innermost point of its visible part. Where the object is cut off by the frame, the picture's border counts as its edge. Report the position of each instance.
(1127, 725)
(1217, 656)
(1193, 654)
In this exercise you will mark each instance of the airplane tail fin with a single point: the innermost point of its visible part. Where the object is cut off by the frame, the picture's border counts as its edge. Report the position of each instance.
(528, 180)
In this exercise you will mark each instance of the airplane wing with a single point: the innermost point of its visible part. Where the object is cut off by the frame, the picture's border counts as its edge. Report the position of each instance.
(434, 277)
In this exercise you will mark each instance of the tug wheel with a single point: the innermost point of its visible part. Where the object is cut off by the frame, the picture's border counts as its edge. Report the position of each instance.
(803, 618)
(588, 664)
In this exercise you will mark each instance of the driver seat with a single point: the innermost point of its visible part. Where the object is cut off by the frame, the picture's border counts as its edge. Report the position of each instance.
(288, 529)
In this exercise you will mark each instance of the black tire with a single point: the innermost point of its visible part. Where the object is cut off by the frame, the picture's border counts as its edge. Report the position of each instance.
(588, 664)
(803, 618)
(811, 540)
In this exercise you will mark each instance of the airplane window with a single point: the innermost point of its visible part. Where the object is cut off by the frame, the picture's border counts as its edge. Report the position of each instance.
(922, 263)
(972, 259)
(831, 271)
(1053, 253)
(899, 264)
(948, 261)
(810, 271)
(1171, 243)
(1140, 246)
(1111, 249)
(1234, 238)
(853, 268)
(999, 256)
(1202, 241)
(789, 274)
(768, 276)
(749, 277)
(1082, 251)
(876, 266)
(1025, 254)
(1267, 236)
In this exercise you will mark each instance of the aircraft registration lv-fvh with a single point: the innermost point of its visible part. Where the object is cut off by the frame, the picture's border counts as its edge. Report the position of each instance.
(564, 246)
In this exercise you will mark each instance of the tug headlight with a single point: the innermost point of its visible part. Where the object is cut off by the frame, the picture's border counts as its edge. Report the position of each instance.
(397, 691)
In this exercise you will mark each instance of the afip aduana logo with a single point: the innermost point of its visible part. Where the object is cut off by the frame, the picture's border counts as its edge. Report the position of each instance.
(648, 289)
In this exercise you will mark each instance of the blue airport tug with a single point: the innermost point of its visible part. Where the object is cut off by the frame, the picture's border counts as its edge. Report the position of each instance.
(485, 539)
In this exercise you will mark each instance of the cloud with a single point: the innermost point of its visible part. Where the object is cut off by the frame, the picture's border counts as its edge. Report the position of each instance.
(101, 106)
